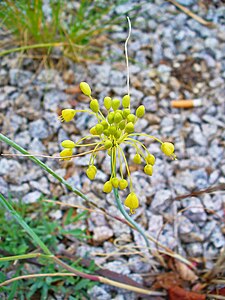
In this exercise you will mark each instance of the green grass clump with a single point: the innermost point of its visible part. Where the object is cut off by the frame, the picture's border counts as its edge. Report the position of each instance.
(70, 29)
(15, 241)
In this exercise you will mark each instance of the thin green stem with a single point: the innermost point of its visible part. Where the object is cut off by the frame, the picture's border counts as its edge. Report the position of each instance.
(24, 256)
(124, 212)
(6, 204)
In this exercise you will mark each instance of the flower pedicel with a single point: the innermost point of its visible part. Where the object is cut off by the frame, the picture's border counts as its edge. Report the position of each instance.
(115, 125)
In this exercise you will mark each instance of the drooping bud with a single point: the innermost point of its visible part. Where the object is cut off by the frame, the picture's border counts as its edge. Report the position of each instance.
(68, 144)
(115, 182)
(150, 159)
(93, 131)
(167, 148)
(67, 114)
(117, 134)
(106, 132)
(91, 172)
(131, 202)
(105, 124)
(117, 117)
(131, 118)
(111, 117)
(129, 128)
(112, 129)
(126, 112)
(126, 101)
(107, 103)
(123, 184)
(66, 152)
(140, 111)
(108, 144)
(122, 124)
(137, 159)
(94, 106)
(115, 104)
(148, 169)
(85, 88)
(107, 188)
(99, 128)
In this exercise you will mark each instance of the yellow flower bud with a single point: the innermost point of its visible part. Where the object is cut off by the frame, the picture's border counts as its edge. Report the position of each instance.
(117, 117)
(122, 124)
(94, 106)
(115, 104)
(150, 159)
(123, 184)
(93, 131)
(68, 144)
(140, 111)
(131, 202)
(105, 124)
(67, 114)
(107, 188)
(99, 128)
(112, 129)
(91, 172)
(108, 144)
(126, 112)
(126, 101)
(66, 152)
(148, 169)
(117, 134)
(111, 117)
(106, 132)
(115, 182)
(129, 128)
(137, 159)
(109, 152)
(107, 103)
(131, 118)
(85, 88)
(167, 148)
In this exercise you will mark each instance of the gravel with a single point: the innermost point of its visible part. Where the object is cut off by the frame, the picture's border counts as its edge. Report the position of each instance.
(168, 61)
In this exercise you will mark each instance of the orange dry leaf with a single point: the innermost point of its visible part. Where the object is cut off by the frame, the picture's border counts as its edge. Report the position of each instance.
(167, 280)
(177, 293)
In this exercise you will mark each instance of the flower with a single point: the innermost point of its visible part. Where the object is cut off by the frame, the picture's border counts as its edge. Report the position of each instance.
(115, 125)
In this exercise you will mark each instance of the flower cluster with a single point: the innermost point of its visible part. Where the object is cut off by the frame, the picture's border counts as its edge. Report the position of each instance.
(114, 126)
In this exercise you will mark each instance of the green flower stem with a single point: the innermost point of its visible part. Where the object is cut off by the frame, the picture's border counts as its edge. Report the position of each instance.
(43, 166)
(24, 256)
(25, 226)
(123, 211)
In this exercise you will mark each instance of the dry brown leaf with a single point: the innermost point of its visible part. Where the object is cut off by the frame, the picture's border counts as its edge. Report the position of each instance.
(177, 293)
(185, 272)
(167, 280)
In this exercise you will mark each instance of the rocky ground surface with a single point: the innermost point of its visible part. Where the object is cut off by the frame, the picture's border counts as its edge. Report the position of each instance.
(172, 57)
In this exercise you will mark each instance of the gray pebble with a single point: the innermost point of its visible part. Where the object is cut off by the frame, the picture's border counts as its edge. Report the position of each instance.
(102, 233)
(20, 77)
(11, 170)
(38, 129)
(31, 197)
(161, 201)
(195, 210)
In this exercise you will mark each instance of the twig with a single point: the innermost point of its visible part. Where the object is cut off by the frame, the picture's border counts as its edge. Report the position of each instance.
(126, 56)
(192, 15)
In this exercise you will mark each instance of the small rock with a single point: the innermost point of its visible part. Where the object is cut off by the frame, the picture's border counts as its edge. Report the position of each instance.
(217, 238)
(161, 201)
(20, 77)
(56, 214)
(138, 266)
(98, 293)
(19, 191)
(117, 78)
(102, 233)
(53, 99)
(118, 266)
(216, 82)
(41, 185)
(194, 209)
(4, 77)
(38, 129)
(32, 197)
(11, 170)
(194, 249)
(4, 187)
